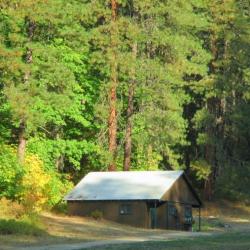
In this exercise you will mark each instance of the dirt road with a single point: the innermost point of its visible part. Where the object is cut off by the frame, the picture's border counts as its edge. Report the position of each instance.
(72, 233)
(83, 245)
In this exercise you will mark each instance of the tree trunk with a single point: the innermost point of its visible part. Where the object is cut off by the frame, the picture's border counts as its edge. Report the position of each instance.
(208, 193)
(21, 142)
(112, 129)
(210, 149)
(60, 163)
(22, 127)
(130, 110)
(112, 120)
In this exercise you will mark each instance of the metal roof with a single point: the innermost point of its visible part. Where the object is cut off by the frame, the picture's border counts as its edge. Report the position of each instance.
(132, 185)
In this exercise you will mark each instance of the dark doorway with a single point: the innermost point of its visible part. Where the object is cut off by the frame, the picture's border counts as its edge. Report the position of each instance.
(153, 217)
(172, 216)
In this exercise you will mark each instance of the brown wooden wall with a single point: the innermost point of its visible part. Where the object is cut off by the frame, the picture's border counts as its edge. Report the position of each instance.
(165, 220)
(162, 216)
(180, 192)
(140, 213)
(139, 216)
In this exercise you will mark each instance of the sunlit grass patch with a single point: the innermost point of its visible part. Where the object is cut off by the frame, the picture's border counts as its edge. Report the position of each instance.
(21, 227)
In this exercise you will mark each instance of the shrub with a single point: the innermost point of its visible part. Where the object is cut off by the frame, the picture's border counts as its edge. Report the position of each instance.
(32, 184)
(41, 188)
(57, 187)
(35, 185)
(10, 173)
(97, 214)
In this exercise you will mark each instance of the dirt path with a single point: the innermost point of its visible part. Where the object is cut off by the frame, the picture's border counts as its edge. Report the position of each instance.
(83, 245)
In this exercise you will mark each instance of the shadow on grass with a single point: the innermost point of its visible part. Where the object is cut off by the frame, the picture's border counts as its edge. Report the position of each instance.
(16, 227)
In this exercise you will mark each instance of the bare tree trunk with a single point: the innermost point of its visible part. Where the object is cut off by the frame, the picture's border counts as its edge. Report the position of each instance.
(208, 193)
(112, 120)
(21, 142)
(22, 127)
(130, 110)
(210, 149)
(209, 182)
(112, 129)
(60, 163)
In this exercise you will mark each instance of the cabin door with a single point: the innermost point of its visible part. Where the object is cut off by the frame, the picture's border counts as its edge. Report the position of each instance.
(173, 220)
(153, 217)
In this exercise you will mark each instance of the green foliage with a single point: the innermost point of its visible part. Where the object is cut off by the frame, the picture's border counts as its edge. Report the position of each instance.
(201, 168)
(191, 92)
(50, 150)
(233, 183)
(10, 173)
(30, 183)
(169, 52)
(41, 188)
(219, 127)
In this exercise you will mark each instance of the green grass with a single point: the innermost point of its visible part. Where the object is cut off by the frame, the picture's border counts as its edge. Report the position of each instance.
(209, 224)
(20, 227)
(225, 241)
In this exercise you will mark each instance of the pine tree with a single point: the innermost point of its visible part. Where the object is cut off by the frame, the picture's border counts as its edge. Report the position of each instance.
(36, 84)
(165, 62)
(222, 89)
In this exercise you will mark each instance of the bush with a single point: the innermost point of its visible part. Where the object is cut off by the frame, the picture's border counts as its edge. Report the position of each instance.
(42, 189)
(10, 173)
(20, 227)
(35, 185)
(60, 207)
(57, 187)
(97, 214)
(32, 184)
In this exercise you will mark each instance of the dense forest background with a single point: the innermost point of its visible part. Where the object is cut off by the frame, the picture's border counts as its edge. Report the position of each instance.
(123, 85)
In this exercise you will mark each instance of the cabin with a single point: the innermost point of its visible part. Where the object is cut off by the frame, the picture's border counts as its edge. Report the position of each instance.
(147, 199)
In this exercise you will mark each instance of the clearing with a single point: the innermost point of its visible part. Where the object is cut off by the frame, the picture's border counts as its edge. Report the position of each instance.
(226, 226)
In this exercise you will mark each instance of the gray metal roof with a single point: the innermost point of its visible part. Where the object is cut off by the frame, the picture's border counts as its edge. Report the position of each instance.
(133, 185)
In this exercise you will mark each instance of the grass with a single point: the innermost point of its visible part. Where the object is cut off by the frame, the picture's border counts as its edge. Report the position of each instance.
(210, 224)
(225, 241)
(20, 227)
(224, 208)
(15, 221)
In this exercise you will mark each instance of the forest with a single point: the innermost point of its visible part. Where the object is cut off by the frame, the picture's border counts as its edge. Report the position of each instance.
(119, 85)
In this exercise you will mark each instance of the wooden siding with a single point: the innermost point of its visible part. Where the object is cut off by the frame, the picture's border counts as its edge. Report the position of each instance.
(162, 216)
(139, 216)
(180, 192)
(166, 220)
